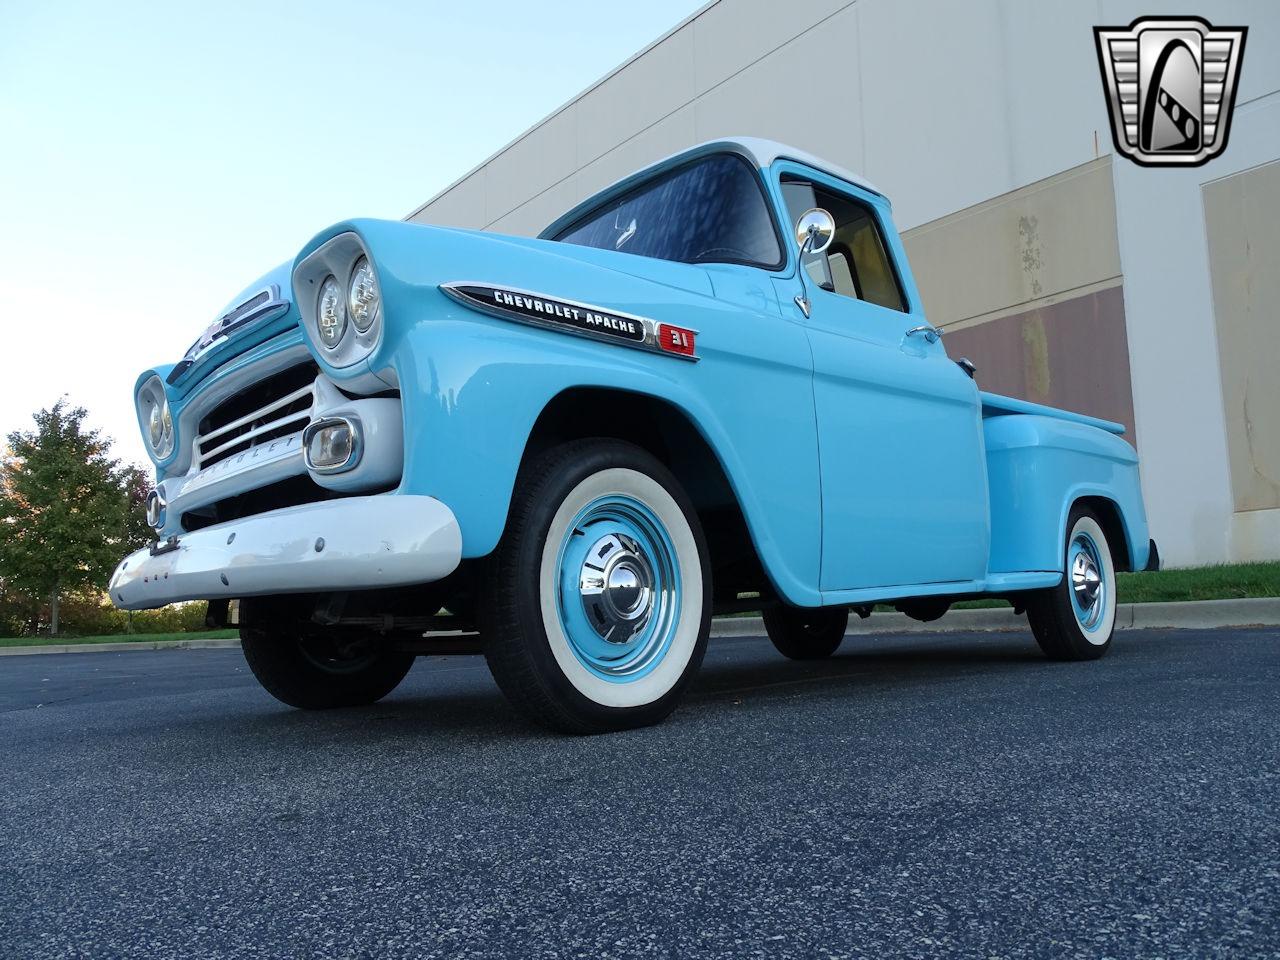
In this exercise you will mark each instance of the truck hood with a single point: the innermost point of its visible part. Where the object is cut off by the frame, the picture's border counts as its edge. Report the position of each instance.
(262, 310)
(682, 276)
(266, 308)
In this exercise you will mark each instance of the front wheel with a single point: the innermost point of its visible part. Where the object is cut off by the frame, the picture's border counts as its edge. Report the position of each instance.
(599, 596)
(1076, 619)
(314, 668)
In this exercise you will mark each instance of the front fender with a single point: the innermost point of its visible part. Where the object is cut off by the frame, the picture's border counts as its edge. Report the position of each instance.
(472, 392)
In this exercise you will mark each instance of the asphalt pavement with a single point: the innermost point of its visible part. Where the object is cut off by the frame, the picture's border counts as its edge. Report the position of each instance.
(914, 796)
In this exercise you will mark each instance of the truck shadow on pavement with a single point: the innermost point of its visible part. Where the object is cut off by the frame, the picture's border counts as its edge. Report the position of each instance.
(463, 700)
(863, 661)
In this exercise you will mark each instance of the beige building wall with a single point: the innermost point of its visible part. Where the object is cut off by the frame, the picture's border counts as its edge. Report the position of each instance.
(1028, 287)
(1049, 241)
(1242, 218)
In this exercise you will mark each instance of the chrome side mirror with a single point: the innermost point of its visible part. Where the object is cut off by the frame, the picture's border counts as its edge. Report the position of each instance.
(815, 230)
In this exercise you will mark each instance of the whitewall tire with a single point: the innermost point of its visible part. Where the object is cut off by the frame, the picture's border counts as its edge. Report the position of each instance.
(1076, 619)
(598, 604)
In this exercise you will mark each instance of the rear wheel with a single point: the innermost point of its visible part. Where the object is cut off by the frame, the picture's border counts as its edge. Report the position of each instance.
(803, 633)
(599, 594)
(314, 668)
(1076, 619)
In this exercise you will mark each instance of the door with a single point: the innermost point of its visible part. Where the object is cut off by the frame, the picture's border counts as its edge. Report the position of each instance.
(904, 487)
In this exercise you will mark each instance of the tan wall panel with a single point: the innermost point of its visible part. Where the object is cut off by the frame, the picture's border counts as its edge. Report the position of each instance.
(1045, 240)
(1073, 354)
(1242, 220)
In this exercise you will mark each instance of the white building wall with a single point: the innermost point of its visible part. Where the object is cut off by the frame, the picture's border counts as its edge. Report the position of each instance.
(943, 105)
(1177, 388)
(884, 87)
(1174, 356)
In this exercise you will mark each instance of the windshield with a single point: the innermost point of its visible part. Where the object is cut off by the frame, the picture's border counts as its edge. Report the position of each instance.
(710, 211)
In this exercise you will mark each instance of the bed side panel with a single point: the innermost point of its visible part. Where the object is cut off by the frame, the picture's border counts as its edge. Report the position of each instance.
(1038, 467)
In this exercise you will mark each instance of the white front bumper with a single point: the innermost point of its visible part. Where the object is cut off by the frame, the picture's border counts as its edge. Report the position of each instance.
(354, 543)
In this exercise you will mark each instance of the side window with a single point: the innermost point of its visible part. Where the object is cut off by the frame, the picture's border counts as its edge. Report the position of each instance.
(710, 211)
(857, 263)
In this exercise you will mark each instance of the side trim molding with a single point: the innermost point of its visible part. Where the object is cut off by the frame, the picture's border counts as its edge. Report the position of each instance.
(574, 317)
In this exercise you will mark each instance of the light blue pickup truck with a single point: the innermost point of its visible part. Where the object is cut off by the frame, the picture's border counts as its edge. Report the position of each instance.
(710, 387)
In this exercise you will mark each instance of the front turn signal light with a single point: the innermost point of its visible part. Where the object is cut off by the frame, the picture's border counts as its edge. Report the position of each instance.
(331, 446)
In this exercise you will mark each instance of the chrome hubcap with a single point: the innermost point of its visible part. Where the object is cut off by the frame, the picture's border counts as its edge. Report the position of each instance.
(1086, 580)
(1088, 587)
(616, 586)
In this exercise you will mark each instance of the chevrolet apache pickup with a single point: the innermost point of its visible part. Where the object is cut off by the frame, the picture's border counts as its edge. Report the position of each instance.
(710, 387)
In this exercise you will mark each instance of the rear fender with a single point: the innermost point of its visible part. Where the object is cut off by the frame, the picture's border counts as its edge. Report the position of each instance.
(1038, 468)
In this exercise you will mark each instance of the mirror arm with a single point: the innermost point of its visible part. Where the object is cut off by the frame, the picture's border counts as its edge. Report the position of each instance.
(802, 298)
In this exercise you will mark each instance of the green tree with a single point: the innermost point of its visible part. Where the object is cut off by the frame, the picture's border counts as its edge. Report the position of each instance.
(68, 510)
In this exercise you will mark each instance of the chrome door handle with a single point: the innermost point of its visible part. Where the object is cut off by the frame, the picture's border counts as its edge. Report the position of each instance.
(928, 331)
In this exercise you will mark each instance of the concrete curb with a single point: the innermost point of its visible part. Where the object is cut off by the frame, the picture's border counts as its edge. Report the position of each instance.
(1193, 615)
(122, 647)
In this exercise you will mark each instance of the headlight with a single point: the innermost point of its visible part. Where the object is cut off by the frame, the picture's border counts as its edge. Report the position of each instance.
(155, 418)
(156, 427)
(339, 287)
(331, 313)
(363, 298)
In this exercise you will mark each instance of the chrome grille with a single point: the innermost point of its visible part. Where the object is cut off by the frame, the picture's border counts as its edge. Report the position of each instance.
(275, 407)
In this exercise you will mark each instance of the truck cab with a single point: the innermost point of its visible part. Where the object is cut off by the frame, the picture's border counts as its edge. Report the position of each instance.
(711, 385)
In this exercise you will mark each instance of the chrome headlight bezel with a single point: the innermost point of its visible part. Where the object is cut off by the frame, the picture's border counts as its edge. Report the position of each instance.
(338, 258)
(153, 408)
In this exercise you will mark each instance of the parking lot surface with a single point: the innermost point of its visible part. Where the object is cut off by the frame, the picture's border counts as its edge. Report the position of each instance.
(924, 795)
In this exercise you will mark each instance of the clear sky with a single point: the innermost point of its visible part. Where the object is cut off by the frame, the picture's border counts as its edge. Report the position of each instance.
(155, 158)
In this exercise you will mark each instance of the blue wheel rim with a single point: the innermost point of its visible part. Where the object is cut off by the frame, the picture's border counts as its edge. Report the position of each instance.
(1088, 582)
(619, 634)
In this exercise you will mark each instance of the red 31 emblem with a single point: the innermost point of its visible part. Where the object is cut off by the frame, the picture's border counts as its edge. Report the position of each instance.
(674, 339)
